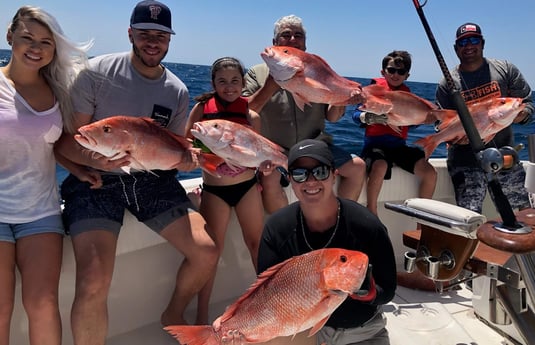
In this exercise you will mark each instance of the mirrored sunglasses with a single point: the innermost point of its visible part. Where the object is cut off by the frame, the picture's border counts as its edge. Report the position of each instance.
(320, 173)
(472, 40)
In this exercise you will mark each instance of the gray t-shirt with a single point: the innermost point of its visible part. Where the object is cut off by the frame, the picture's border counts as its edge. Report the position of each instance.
(111, 86)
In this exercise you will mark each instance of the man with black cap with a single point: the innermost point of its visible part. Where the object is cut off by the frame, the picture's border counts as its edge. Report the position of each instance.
(319, 219)
(479, 78)
(133, 83)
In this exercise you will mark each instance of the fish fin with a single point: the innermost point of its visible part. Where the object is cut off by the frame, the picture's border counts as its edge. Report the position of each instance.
(243, 150)
(448, 120)
(193, 335)
(209, 163)
(440, 115)
(300, 101)
(396, 129)
(181, 140)
(316, 84)
(234, 166)
(428, 143)
(141, 165)
(318, 325)
(126, 169)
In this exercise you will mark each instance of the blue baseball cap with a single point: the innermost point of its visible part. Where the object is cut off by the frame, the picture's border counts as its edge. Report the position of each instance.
(151, 15)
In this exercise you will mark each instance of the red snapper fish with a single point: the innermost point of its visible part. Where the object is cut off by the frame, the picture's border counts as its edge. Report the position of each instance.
(238, 145)
(308, 77)
(149, 145)
(401, 108)
(490, 116)
(293, 296)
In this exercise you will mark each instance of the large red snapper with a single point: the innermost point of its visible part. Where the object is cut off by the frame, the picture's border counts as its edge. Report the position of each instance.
(308, 77)
(490, 116)
(293, 296)
(149, 145)
(401, 108)
(238, 145)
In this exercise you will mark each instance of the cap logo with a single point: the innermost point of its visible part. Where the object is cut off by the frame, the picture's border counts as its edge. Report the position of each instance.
(154, 11)
(468, 28)
(304, 147)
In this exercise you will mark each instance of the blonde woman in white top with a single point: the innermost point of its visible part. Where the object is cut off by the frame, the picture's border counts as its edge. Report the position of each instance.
(34, 106)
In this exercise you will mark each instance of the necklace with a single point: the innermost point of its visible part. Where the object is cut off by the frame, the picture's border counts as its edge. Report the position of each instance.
(332, 236)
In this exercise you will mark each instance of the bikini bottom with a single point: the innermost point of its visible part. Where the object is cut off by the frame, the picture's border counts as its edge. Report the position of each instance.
(231, 194)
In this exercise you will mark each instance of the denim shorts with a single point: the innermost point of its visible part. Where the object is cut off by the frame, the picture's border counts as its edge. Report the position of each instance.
(154, 198)
(13, 232)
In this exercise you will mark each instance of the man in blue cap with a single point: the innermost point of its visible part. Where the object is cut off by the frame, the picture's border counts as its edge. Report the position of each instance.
(135, 84)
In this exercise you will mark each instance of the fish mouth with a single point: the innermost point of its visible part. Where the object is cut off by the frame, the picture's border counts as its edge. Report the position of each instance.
(279, 70)
(267, 53)
(84, 139)
(198, 130)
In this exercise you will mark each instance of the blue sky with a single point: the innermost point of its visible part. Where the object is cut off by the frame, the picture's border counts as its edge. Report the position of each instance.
(351, 35)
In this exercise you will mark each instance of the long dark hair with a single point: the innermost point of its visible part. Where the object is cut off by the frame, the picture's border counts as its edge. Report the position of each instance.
(219, 64)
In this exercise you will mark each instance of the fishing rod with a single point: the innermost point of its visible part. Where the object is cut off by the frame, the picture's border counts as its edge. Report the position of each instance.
(503, 206)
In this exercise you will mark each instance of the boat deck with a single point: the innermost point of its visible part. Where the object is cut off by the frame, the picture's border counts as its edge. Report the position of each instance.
(426, 318)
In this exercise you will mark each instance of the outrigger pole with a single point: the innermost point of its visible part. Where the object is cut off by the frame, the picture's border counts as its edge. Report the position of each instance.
(500, 200)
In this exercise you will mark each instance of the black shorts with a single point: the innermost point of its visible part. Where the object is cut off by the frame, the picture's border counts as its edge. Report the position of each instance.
(156, 199)
(403, 156)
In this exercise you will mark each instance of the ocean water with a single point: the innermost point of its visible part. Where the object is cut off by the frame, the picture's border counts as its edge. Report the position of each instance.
(345, 132)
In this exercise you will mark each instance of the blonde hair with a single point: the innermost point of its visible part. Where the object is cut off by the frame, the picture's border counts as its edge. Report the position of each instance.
(69, 58)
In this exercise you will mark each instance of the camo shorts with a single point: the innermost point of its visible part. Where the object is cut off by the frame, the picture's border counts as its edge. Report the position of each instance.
(470, 185)
(154, 199)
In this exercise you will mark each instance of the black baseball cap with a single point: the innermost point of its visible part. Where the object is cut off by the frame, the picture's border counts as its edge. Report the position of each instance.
(468, 30)
(313, 148)
(151, 15)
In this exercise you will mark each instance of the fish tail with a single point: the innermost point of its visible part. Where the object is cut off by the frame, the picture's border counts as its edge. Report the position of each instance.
(428, 144)
(193, 335)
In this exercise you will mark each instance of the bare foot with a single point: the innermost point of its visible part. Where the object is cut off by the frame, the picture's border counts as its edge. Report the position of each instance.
(168, 320)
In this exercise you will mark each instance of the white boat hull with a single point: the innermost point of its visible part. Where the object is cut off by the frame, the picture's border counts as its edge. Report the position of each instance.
(146, 266)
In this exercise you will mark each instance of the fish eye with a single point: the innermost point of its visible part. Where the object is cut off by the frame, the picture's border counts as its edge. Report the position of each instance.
(343, 258)
(107, 129)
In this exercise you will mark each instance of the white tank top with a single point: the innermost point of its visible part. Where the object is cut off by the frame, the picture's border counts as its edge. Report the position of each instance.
(28, 187)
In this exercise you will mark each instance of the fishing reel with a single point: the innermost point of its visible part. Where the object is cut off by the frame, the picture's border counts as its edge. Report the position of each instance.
(493, 160)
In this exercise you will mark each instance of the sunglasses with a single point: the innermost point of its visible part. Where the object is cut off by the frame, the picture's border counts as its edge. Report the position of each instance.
(392, 70)
(473, 41)
(320, 173)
